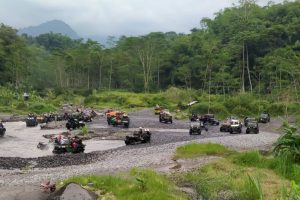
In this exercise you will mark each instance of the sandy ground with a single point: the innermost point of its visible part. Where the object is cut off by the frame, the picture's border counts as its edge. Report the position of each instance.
(21, 141)
(24, 183)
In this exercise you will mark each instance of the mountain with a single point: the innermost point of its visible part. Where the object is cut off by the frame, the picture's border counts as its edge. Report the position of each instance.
(55, 26)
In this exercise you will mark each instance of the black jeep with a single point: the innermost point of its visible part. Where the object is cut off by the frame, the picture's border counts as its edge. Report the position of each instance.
(264, 117)
(252, 127)
(209, 119)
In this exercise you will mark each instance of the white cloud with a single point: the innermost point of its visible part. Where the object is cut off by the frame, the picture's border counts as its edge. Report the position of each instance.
(113, 17)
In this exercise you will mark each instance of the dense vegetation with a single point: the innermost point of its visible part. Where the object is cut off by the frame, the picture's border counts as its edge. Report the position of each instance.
(244, 48)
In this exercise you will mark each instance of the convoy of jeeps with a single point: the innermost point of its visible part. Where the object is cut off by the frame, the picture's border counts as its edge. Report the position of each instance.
(114, 118)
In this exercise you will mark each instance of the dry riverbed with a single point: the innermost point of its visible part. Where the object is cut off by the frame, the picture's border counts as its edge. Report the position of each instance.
(157, 155)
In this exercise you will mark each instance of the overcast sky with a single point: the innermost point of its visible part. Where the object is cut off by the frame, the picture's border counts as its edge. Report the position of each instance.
(113, 17)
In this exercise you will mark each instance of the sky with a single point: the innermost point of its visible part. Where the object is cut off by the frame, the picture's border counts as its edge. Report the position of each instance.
(114, 17)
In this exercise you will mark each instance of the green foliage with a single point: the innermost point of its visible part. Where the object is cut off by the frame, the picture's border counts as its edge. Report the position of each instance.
(225, 180)
(138, 184)
(41, 108)
(253, 189)
(291, 194)
(249, 158)
(282, 165)
(195, 149)
(289, 143)
(84, 130)
(208, 59)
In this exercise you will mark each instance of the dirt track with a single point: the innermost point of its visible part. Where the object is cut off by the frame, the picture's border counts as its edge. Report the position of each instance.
(157, 154)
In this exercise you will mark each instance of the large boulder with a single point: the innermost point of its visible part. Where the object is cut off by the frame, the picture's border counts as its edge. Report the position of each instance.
(76, 192)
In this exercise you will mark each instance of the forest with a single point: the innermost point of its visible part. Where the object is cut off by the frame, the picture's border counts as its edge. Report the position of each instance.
(244, 48)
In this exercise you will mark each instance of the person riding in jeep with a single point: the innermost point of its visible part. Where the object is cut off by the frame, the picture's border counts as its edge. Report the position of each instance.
(194, 117)
(139, 132)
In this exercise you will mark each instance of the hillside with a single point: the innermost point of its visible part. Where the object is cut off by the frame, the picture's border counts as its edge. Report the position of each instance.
(55, 26)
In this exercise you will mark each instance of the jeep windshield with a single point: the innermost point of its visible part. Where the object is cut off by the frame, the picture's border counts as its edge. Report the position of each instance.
(252, 124)
(251, 119)
(195, 123)
(264, 115)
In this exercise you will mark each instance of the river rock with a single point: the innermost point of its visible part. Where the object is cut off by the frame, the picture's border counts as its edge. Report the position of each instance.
(76, 192)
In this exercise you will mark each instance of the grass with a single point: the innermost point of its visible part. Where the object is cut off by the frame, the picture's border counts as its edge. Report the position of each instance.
(196, 149)
(138, 184)
(281, 165)
(231, 181)
(239, 104)
(239, 175)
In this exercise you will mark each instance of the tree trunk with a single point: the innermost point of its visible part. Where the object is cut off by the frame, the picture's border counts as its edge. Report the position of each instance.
(88, 78)
(157, 74)
(243, 70)
(145, 57)
(110, 74)
(248, 69)
(100, 70)
(209, 91)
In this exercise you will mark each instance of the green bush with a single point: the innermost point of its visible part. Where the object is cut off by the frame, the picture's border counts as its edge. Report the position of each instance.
(21, 106)
(253, 189)
(195, 149)
(250, 159)
(200, 108)
(277, 109)
(91, 100)
(41, 108)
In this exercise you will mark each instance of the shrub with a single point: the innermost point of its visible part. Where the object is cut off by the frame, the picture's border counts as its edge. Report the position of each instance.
(21, 106)
(91, 99)
(41, 108)
(241, 111)
(253, 189)
(85, 130)
(251, 159)
(289, 143)
(277, 108)
(195, 149)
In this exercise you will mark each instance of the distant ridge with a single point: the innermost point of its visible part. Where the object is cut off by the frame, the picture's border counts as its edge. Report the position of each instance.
(55, 26)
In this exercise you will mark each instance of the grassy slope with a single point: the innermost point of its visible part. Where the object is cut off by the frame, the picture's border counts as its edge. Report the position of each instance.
(195, 150)
(138, 184)
(238, 175)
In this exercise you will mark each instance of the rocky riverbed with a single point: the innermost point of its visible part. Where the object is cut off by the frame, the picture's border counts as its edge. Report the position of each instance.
(24, 174)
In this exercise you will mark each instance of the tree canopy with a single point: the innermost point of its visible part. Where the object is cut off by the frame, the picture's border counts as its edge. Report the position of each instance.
(243, 48)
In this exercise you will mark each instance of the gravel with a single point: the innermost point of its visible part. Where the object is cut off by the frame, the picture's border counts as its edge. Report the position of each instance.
(165, 139)
(122, 160)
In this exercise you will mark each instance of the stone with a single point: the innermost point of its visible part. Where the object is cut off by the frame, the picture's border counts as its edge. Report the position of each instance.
(76, 192)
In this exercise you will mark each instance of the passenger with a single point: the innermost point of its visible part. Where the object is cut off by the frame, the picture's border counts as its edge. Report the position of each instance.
(113, 120)
(140, 130)
(59, 138)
